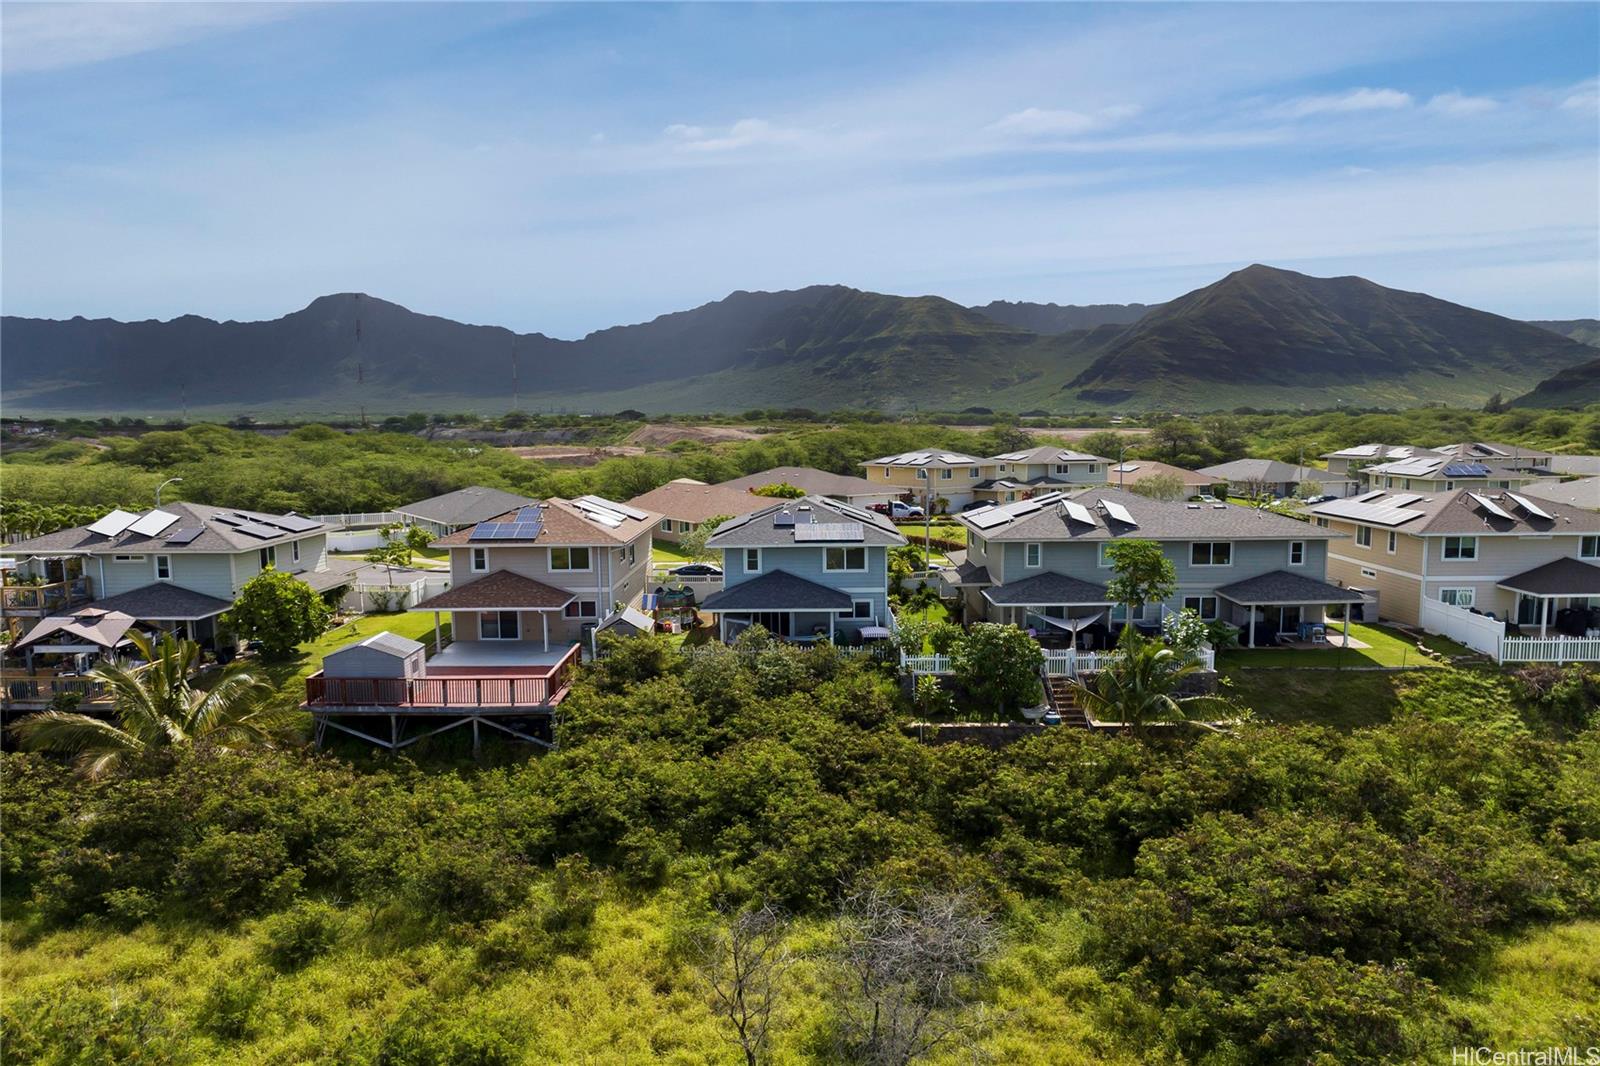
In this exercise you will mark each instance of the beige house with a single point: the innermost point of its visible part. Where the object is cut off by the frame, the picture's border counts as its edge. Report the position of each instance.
(926, 477)
(1128, 474)
(1432, 472)
(1021, 474)
(813, 482)
(684, 503)
(1350, 460)
(537, 579)
(1498, 552)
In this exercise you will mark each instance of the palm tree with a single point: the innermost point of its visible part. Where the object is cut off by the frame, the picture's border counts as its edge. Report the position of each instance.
(157, 708)
(1137, 685)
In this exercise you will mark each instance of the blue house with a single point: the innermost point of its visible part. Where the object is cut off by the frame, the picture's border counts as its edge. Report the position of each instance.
(805, 569)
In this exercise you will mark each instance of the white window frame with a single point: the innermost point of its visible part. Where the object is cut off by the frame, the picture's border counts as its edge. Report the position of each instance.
(268, 556)
(1393, 544)
(499, 629)
(1370, 574)
(947, 474)
(1589, 547)
(856, 611)
(665, 526)
(1197, 604)
(1459, 597)
(588, 560)
(827, 562)
(1462, 544)
(1211, 546)
(163, 562)
(1364, 537)
(886, 473)
(474, 557)
(749, 554)
(577, 609)
(1297, 547)
(127, 558)
(922, 473)
(974, 472)
(1033, 555)
(294, 551)
(1102, 560)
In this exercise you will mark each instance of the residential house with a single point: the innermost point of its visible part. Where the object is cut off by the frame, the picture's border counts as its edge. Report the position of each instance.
(1584, 492)
(539, 578)
(814, 482)
(684, 503)
(928, 477)
(1501, 553)
(1512, 456)
(1017, 475)
(805, 569)
(441, 515)
(1043, 563)
(1431, 472)
(1270, 477)
(176, 567)
(1575, 465)
(1350, 460)
(1127, 474)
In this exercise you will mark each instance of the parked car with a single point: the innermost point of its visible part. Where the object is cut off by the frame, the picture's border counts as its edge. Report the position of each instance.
(897, 509)
(975, 504)
(1206, 497)
(696, 570)
(1324, 498)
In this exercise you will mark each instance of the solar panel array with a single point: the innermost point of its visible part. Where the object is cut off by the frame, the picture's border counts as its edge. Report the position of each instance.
(527, 525)
(114, 524)
(1466, 470)
(988, 517)
(603, 511)
(153, 523)
(1530, 507)
(1077, 512)
(1405, 500)
(1490, 506)
(290, 523)
(601, 503)
(258, 531)
(185, 535)
(830, 531)
(1378, 514)
(1118, 512)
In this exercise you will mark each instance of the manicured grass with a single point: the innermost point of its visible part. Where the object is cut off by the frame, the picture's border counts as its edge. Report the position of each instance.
(1342, 701)
(1386, 647)
(667, 555)
(308, 658)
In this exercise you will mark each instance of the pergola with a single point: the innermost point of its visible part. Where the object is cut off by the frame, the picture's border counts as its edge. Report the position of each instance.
(1564, 579)
(1044, 591)
(1279, 588)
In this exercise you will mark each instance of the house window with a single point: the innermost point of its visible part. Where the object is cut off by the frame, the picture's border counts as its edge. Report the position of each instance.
(1449, 486)
(1063, 468)
(127, 558)
(1460, 548)
(1364, 536)
(946, 474)
(1322, 522)
(294, 551)
(1589, 548)
(886, 473)
(1033, 555)
(1104, 558)
(666, 525)
(1120, 612)
(1368, 573)
(752, 560)
(1204, 606)
(633, 554)
(922, 473)
(1211, 553)
(269, 556)
(1093, 468)
(1457, 597)
(1297, 553)
(480, 560)
(499, 625)
(844, 559)
(1394, 541)
(579, 609)
(684, 527)
(861, 609)
(569, 558)
(163, 568)
(974, 473)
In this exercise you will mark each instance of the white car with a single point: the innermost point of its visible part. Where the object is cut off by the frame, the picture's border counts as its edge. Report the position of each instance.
(897, 509)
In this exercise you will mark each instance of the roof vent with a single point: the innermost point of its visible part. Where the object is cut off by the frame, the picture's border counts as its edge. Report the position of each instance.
(1192, 506)
(1219, 507)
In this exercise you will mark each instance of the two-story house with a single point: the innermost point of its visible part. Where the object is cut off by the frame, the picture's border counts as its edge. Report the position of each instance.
(176, 567)
(1273, 477)
(1017, 475)
(926, 477)
(1431, 472)
(1350, 460)
(539, 578)
(1496, 552)
(1042, 563)
(442, 515)
(805, 569)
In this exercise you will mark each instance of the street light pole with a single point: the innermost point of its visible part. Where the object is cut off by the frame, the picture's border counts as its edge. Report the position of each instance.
(163, 485)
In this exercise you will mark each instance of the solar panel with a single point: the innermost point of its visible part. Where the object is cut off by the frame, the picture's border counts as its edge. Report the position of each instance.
(620, 508)
(153, 523)
(1529, 506)
(833, 531)
(1365, 496)
(948, 457)
(1125, 468)
(1360, 449)
(1379, 514)
(783, 520)
(988, 518)
(1077, 512)
(114, 524)
(229, 520)
(184, 536)
(1466, 470)
(1490, 506)
(1402, 501)
(1012, 457)
(601, 513)
(292, 522)
(484, 531)
(1119, 512)
(853, 511)
(260, 532)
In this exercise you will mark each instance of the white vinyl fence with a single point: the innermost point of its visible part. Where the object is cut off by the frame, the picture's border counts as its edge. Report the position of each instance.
(1550, 650)
(1478, 632)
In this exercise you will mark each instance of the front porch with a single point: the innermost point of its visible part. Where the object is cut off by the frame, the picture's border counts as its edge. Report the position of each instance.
(796, 610)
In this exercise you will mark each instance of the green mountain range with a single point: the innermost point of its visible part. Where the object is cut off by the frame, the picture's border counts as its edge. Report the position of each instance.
(1260, 336)
(1575, 386)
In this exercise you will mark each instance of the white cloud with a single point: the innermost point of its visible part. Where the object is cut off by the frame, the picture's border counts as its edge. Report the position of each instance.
(745, 133)
(1040, 122)
(1345, 103)
(51, 36)
(1454, 103)
(1585, 96)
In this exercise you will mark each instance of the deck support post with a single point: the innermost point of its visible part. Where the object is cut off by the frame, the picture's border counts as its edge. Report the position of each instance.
(830, 627)
(1250, 621)
(477, 750)
(544, 620)
(394, 732)
(438, 639)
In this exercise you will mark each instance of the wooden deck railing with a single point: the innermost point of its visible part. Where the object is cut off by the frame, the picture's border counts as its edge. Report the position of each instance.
(442, 692)
(46, 597)
(22, 690)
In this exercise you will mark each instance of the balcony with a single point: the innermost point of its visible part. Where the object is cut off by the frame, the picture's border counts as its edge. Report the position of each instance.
(22, 691)
(527, 686)
(42, 600)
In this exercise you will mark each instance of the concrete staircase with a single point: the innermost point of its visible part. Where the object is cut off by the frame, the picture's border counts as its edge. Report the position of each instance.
(1059, 692)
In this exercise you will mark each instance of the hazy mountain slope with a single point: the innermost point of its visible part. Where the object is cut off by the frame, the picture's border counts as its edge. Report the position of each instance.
(1062, 318)
(1586, 330)
(1575, 386)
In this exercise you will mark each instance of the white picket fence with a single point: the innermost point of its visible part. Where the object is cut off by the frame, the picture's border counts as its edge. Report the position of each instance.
(1550, 650)
(1058, 662)
(358, 518)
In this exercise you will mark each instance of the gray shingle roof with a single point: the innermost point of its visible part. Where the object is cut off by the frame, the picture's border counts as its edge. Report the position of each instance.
(164, 602)
(1047, 590)
(1585, 492)
(811, 480)
(1458, 514)
(758, 529)
(465, 507)
(215, 536)
(1048, 453)
(777, 590)
(1271, 471)
(502, 590)
(928, 457)
(1282, 587)
(1562, 577)
(1157, 520)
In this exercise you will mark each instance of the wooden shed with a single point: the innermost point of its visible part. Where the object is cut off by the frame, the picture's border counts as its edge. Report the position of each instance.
(380, 655)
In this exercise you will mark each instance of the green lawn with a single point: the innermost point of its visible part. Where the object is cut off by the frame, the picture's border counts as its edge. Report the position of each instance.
(1387, 647)
(308, 658)
(1343, 701)
(667, 555)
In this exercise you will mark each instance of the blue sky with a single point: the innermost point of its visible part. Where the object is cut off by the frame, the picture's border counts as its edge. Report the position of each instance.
(569, 167)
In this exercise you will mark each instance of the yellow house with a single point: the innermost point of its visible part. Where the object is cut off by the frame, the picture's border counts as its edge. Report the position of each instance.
(926, 477)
